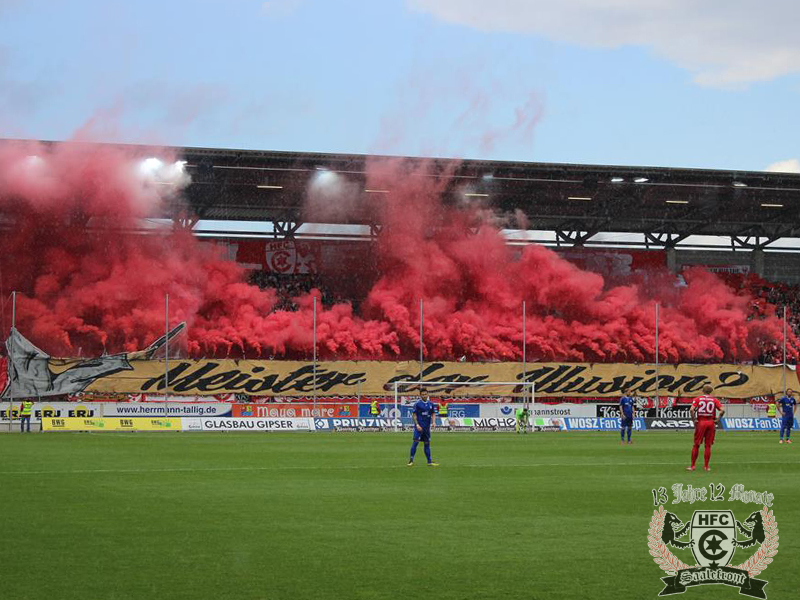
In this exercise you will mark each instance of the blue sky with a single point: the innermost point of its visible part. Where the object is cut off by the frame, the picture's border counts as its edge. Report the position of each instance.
(642, 82)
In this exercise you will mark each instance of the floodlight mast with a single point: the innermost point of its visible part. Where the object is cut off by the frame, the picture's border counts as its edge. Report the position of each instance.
(397, 384)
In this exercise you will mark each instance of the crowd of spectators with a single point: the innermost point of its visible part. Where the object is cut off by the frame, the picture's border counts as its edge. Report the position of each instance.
(289, 286)
(771, 298)
(768, 298)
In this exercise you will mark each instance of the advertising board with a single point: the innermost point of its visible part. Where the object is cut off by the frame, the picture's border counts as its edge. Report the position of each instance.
(171, 409)
(50, 409)
(360, 424)
(109, 424)
(655, 423)
(561, 411)
(599, 424)
(752, 424)
(667, 412)
(251, 424)
(296, 409)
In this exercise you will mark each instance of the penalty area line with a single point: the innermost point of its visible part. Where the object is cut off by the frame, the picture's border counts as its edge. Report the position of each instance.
(373, 467)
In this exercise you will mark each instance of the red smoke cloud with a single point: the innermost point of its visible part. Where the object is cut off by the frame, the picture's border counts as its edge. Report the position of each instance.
(473, 293)
(88, 284)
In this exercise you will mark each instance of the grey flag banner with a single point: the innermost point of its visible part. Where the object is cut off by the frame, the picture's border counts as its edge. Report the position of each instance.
(33, 373)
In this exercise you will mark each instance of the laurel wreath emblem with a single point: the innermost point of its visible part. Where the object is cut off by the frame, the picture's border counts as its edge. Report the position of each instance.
(665, 559)
(671, 564)
(769, 548)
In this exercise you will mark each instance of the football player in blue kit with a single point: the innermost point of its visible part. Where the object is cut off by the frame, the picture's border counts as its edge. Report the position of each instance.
(423, 416)
(627, 412)
(787, 406)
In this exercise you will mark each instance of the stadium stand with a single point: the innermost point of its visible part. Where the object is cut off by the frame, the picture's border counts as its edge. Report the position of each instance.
(289, 287)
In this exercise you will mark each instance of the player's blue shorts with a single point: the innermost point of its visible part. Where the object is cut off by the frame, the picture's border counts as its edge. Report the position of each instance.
(787, 422)
(422, 436)
(626, 422)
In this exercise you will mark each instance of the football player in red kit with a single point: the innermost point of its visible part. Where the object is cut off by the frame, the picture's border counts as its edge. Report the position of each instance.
(706, 412)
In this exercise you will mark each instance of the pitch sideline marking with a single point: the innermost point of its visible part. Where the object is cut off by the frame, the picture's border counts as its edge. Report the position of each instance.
(360, 467)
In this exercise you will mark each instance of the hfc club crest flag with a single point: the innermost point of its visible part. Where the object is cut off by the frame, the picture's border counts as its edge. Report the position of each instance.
(713, 541)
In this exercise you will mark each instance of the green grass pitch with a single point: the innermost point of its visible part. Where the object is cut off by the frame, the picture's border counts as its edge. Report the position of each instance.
(323, 516)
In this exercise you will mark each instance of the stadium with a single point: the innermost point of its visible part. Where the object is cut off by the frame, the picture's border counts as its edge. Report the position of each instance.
(224, 350)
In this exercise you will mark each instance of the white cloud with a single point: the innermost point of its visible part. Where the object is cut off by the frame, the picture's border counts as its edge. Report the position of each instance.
(790, 165)
(721, 42)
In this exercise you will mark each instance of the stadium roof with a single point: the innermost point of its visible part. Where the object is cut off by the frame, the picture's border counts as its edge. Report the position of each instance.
(573, 204)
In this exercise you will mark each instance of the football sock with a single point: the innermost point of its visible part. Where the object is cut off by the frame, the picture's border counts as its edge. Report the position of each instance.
(428, 452)
(414, 445)
(706, 454)
(695, 452)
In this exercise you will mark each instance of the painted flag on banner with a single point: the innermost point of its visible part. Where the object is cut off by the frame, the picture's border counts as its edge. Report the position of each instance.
(290, 257)
(34, 373)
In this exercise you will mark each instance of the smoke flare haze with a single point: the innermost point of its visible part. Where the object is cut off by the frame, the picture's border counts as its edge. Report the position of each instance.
(88, 282)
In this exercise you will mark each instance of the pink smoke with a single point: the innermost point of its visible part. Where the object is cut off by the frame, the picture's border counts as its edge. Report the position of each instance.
(88, 284)
(473, 293)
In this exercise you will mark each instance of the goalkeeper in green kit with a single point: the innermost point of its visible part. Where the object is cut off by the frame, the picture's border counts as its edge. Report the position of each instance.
(522, 419)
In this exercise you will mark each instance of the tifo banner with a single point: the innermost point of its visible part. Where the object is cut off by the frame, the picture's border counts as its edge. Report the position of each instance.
(299, 256)
(373, 378)
(741, 269)
(615, 264)
(289, 378)
(109, 424)
(289, 257)
(32, 373)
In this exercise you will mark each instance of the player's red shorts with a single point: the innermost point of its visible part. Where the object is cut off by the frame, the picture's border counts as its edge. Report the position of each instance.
(705, 429)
